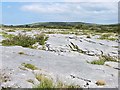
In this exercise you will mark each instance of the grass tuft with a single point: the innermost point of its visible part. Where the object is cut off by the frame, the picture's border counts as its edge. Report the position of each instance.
(29, 66)
(45, 82)
(103, 59)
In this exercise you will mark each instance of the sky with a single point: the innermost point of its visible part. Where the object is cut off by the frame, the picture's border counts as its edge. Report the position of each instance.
(15, 13)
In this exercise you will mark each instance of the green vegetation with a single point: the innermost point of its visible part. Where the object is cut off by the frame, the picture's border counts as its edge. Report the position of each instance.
(107, 36)
(29, 66)
(11, 30)
(5, 35)
(21, 53)
(62, 85)
(24, 40)
(103, 59)
(97, 28)
(98, 62)
(46, 82)
(41, 38)
(77, 28)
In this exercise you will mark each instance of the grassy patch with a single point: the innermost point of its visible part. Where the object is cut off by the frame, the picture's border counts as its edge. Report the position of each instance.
(48, 83)
(103, 59)
(5, 35)
(44, 82)
(11, 30)
(41, 38)
(24, 40)
(107, 36)
(29, 66)
(98, 62)
(62, 85)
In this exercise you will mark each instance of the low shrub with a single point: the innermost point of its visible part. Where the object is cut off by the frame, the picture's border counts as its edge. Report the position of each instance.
(24, 40)
(5, 35)
(11, 30)
(41, 38)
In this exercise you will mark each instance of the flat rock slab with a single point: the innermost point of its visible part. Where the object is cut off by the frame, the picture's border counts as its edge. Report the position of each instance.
(61, 66)
(69, 66)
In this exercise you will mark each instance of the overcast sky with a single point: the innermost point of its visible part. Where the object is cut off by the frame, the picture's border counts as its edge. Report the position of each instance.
(77, 11)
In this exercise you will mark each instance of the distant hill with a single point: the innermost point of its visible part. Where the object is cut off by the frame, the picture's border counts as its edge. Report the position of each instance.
(54, 24)
(69, 25)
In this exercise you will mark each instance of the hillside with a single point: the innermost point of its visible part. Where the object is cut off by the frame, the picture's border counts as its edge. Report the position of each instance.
(69, 25)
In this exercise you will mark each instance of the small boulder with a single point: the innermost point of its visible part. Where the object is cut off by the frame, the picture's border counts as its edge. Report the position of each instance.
(100, 82)
(37, 46)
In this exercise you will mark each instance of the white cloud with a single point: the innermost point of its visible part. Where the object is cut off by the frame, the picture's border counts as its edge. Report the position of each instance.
(76, 11)
(70, 7)
(46, 8)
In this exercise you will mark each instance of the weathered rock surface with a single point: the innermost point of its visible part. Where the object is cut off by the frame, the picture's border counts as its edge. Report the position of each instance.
(61, 66)
(58, 61)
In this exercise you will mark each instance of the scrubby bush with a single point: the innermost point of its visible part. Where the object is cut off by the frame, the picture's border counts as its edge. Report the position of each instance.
(25, 40)
(11, 30)
(5, 35)
(41, 38)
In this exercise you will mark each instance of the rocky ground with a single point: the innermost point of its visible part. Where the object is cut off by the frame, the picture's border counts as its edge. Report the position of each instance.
(59, 61)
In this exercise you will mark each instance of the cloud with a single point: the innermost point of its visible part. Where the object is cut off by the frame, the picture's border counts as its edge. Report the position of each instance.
(70, 7)
(92, 12)
(46, 8)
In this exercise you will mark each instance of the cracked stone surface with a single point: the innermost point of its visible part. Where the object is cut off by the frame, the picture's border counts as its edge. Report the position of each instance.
(60, 62)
